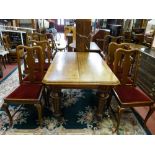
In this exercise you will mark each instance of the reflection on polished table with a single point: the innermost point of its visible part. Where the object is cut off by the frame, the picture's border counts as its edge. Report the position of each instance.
(93, 47)
(79, 70)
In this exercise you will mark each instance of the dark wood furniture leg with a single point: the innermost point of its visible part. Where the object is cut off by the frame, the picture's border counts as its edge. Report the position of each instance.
(55, 105)
(103, 96)
(6, 109)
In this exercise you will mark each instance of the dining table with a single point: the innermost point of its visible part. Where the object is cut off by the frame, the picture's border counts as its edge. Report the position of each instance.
(79, 70)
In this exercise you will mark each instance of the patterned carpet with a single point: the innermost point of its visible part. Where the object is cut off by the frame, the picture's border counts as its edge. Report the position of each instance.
(78, 107)
(8, 70)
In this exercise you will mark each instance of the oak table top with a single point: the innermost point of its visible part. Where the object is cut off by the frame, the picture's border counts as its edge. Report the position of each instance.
(79, 68)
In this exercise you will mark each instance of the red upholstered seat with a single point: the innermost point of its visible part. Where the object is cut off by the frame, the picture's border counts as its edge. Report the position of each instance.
(26, 91)
(129, 95)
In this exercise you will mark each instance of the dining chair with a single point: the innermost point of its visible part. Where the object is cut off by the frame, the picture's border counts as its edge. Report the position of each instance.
(12, 55)
(38, 74)
(28, 92)
(128, 96)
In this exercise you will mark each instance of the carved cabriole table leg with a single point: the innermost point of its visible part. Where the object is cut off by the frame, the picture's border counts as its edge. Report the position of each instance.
(55, 102)
(103, 96)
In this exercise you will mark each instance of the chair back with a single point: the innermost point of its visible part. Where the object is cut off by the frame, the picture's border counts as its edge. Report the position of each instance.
(45, 48)
(108, 39)
(28, 39)
(30, 56)
(43, 37)
(112, 49)
(35, 36)
(39, 37)
(6, 42)
(126, 64)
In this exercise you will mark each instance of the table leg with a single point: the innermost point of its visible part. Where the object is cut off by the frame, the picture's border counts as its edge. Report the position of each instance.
(103, 96)
(55, 96)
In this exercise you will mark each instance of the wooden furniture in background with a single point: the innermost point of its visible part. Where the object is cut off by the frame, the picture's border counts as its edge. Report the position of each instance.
(108, 39)
(39, 36)
(12, 55)
(3, 57)
(148, 40)
(43, 37)
(78, 70)
(93, 47)
(70, 29)
(35, 36)
(127, 36)
(69, 37)
(16, 37)
(113, 46)
(138, 38)
(83, 28)
(99, 36)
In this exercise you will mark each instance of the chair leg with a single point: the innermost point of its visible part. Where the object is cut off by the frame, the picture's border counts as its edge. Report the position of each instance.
(5, 108)
(44, 95)
(109, 100)
(3, 61)
(48, 97)
(39, 109)
(150, 112)
(120, 111)
(9, 59)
